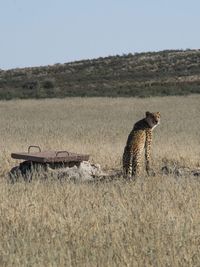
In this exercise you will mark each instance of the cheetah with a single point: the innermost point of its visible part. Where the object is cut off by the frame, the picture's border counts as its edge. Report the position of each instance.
(139, 138)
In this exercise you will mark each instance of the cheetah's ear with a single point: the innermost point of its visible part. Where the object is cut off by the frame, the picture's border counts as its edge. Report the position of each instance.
(148, 113)
(158, 113)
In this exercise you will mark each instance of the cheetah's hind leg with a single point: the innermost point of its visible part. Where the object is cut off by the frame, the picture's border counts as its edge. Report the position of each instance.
(136, 167)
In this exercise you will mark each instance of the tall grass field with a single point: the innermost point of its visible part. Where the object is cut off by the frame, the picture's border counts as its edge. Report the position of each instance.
(152, 221)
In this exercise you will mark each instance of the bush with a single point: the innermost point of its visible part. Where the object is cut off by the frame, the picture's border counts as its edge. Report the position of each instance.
(48, 84)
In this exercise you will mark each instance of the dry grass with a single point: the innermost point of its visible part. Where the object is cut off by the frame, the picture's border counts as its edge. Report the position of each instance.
(149, 222)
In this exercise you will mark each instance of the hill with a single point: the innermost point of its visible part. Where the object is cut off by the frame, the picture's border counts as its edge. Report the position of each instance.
(169, 72)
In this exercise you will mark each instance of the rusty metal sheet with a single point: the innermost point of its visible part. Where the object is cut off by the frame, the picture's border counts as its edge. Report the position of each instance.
(50, 156)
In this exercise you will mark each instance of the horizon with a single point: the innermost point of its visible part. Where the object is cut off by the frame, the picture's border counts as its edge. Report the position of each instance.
(96, 58)
(47, 33)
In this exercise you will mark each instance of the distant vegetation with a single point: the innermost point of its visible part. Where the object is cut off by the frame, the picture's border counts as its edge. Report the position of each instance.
(170, 72)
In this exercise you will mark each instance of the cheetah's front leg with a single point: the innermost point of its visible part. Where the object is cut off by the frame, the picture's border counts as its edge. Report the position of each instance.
(148, 142)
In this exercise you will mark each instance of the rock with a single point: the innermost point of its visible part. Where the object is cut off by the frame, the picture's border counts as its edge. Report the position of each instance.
(85, 172)
(196, 172)
(167, 170)
(179, 171)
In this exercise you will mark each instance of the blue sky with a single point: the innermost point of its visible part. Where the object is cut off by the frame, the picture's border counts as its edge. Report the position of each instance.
(43, 32)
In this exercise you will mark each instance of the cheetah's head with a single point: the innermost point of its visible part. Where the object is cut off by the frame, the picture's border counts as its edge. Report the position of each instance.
(153, 119)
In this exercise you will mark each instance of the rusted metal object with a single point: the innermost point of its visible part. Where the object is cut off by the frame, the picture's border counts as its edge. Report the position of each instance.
(50, 156)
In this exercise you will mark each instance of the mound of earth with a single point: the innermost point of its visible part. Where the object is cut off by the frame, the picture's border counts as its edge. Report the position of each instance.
(85, 171)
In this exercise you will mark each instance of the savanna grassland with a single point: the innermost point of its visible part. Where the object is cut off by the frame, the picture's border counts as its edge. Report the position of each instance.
(153, 221)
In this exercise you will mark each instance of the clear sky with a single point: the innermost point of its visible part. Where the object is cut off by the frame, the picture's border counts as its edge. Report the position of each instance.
(43, 32)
